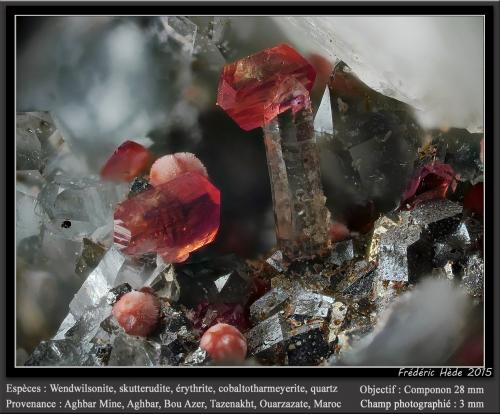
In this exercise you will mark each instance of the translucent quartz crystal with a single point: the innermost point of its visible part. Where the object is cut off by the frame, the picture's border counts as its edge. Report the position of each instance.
(368, 149)
(127, 162)
(76, 208)
(179, 31)
(255, 89)
(172, 219)
(36, 139)
(302, 219)
(27, 222)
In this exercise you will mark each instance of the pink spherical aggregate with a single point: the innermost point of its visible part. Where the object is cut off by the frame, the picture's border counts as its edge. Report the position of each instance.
(137, 313)
(170, 166)
(224, 343)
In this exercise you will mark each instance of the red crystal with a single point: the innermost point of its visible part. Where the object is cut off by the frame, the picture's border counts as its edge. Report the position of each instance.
(137, 312)
(205, 315)
(256, 89)
(430, 182)
(473, 200)
(169, 166)
(224, 343)
(172, 219)
(128, 161)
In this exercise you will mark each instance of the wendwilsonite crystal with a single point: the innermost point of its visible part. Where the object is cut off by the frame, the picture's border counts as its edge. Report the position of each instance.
(128, 161)
(255, 89)
(172, 219)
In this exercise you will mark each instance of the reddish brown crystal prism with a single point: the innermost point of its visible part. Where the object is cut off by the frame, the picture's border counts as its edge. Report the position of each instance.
(173, 219)
(128, 161)
(256, 89)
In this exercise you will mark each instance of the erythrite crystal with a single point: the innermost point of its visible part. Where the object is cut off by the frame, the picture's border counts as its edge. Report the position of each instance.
(208, 314)
(137, 312)
(473, 200)
(255, 89)
(170, 166)
(430, 182)
(172, 219)
(224, 343)
(128, 161)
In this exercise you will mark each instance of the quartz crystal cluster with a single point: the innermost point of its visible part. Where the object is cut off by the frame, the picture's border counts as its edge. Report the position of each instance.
(332, 292)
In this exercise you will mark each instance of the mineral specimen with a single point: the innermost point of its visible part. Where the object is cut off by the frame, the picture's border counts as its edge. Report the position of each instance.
(269, 304)
(170, 166)
(224, 343)
(255, 89)
(128, 161)
(460, 149)
(117, 292)
(172, 219)
(206, 315)
(473, 200)
(302, 220)
(76, 208)
(367, 150)
(307, 345)
(270, 89)
(267, 340)
(224, 279)
(138, 185)
(432, 181)
(92, 253)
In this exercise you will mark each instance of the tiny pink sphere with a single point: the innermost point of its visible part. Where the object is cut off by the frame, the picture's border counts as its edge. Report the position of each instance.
(224, 343)
(137, 313)
(170, 166)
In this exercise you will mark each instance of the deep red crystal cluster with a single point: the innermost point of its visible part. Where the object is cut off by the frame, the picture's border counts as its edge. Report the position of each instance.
(128, 161)
(473, 200)
(172, 219)
(205, 315)
(429, 182)
(255, 89)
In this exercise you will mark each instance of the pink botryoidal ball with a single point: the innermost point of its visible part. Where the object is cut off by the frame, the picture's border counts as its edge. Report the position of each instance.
(170, 166)
(137, 312)
(224, 343)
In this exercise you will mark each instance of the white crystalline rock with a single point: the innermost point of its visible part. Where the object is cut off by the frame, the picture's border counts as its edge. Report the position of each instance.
(435, 63)
(419, 328)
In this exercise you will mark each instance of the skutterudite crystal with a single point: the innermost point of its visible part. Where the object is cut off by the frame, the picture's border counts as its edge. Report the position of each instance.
(172, 219)
(255, 89)
(269, 304)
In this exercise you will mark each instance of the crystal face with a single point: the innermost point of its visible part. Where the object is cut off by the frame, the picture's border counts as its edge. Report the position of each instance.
(127, 162)
(430, 182)
(255, 89)
(172, 219)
